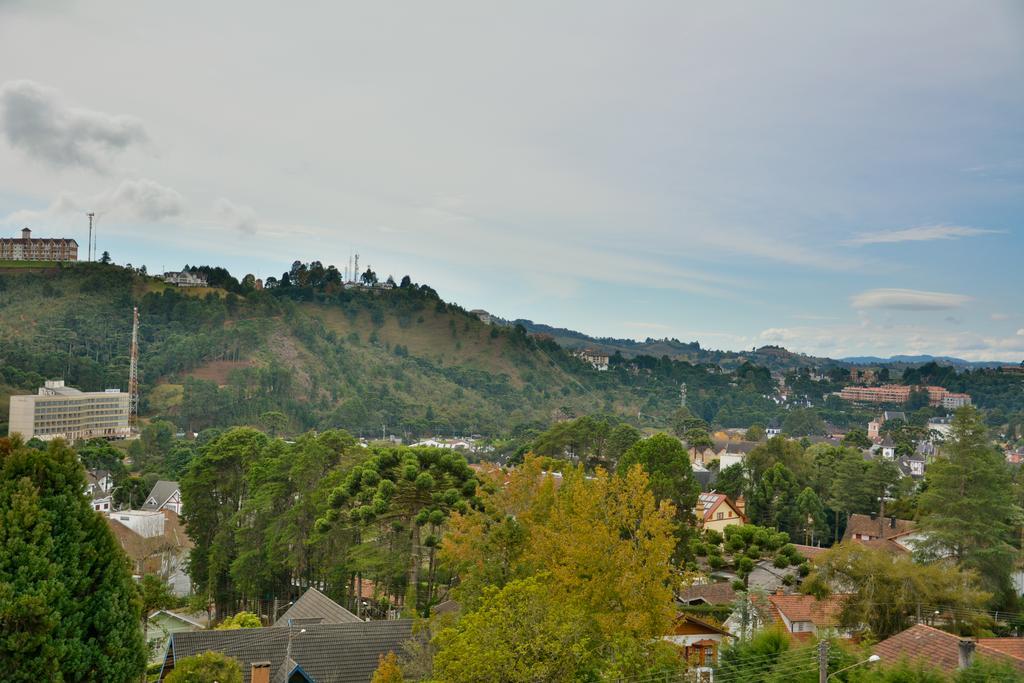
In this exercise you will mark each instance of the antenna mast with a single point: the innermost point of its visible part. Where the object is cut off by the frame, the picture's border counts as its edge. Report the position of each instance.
(88, 248)
(355, 274)
(133, 374)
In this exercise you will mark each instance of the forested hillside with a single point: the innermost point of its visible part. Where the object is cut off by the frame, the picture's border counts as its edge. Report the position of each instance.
(400, 360)
(372, 360)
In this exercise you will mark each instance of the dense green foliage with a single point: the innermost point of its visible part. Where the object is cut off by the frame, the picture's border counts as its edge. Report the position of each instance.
(69, 610)
(209, 666)
(968, 509)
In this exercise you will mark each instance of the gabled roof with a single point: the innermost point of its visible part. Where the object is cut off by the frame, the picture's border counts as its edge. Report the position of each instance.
(315, 608)
(162, 491)
(718, 593)
(809, 552)
(879, 527)
(711, 501)
(703, 626)
(326, 653)
(942, 650)
(798, 607)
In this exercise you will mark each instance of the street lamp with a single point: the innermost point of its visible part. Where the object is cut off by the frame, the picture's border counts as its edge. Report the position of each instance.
(870, 660)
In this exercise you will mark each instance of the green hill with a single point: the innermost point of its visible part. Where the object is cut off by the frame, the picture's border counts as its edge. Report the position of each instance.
(367, 360)
(364, 360)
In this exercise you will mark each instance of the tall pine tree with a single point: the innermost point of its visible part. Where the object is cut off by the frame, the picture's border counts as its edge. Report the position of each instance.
(967, 511)
(69, 610)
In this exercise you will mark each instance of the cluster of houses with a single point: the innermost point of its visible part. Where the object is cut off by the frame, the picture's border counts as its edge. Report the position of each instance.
(152, 536)
(772, 602)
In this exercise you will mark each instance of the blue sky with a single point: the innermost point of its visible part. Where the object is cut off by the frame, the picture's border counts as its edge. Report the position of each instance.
(841, 179)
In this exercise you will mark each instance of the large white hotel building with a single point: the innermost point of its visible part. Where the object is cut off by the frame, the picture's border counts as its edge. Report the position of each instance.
(63, 412)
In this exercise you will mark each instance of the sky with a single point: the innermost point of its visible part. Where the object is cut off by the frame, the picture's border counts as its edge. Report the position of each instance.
(842, 179)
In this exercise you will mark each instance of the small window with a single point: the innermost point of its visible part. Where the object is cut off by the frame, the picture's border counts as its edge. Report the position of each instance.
(721, 515)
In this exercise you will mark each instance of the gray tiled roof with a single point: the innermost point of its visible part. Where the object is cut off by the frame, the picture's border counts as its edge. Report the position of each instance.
(316, 608)
(162, 490)
(327, 653)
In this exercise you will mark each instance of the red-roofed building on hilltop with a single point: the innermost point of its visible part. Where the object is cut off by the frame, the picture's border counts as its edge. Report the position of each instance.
(28, 248)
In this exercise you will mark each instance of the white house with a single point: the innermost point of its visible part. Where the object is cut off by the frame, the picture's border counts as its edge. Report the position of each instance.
(166, 495)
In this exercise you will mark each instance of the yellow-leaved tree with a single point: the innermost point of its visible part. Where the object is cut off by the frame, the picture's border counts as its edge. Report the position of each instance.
(609, 548)
(596, 547)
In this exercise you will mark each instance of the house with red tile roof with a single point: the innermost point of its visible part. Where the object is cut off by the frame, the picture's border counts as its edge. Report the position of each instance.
(717, 511)
(717, 593)
(883, 533)
(947, 651)
(804, 616)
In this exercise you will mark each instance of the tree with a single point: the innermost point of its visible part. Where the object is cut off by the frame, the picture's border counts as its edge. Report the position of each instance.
(608, 544)
(683, 421)
(157, 438)
(209, 666)
(600, 543)
(803, 422)
(240, 620)
(857, 438)
(273, 422)
(98, 454)
(521, 632)
(885, 590)
(154, 594)
(813, 522)
(698, 438)
(388, 670)
(732, 481)
(621, 440)
(413, 488)
(772, 500)
(755, 432)
(68, 607)
(778, 450)
(213, 490)
(967, 511)
(668, 466)
(105, 257)
(368, 278)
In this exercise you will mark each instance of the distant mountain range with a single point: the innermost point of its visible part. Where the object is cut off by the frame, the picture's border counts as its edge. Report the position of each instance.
(774, 357)
(922, 359)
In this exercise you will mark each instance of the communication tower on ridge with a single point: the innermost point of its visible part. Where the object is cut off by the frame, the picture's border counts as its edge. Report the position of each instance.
(133, 374)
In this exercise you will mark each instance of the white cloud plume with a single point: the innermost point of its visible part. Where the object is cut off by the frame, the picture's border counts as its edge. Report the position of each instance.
(1020, 332)
(924, 233)
(908, 300)
(37, 121)
(140, 199)
(237, 216)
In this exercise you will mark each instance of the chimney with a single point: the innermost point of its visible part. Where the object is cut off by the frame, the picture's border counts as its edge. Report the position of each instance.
(26, 234)
(741, 506)
(780, 590)
(966, 653)
(874, 516)
(260, 672)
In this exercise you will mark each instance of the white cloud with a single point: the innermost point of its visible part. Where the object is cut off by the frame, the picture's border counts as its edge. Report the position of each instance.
(1000, 316)
(236, 216)
(37, 121)
(139, 199)
(908, 300)
(924, 233)
(1020, 332)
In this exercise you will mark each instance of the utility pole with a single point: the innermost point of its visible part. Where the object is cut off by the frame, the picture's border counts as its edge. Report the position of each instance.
(88, 246)
(823, 661)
